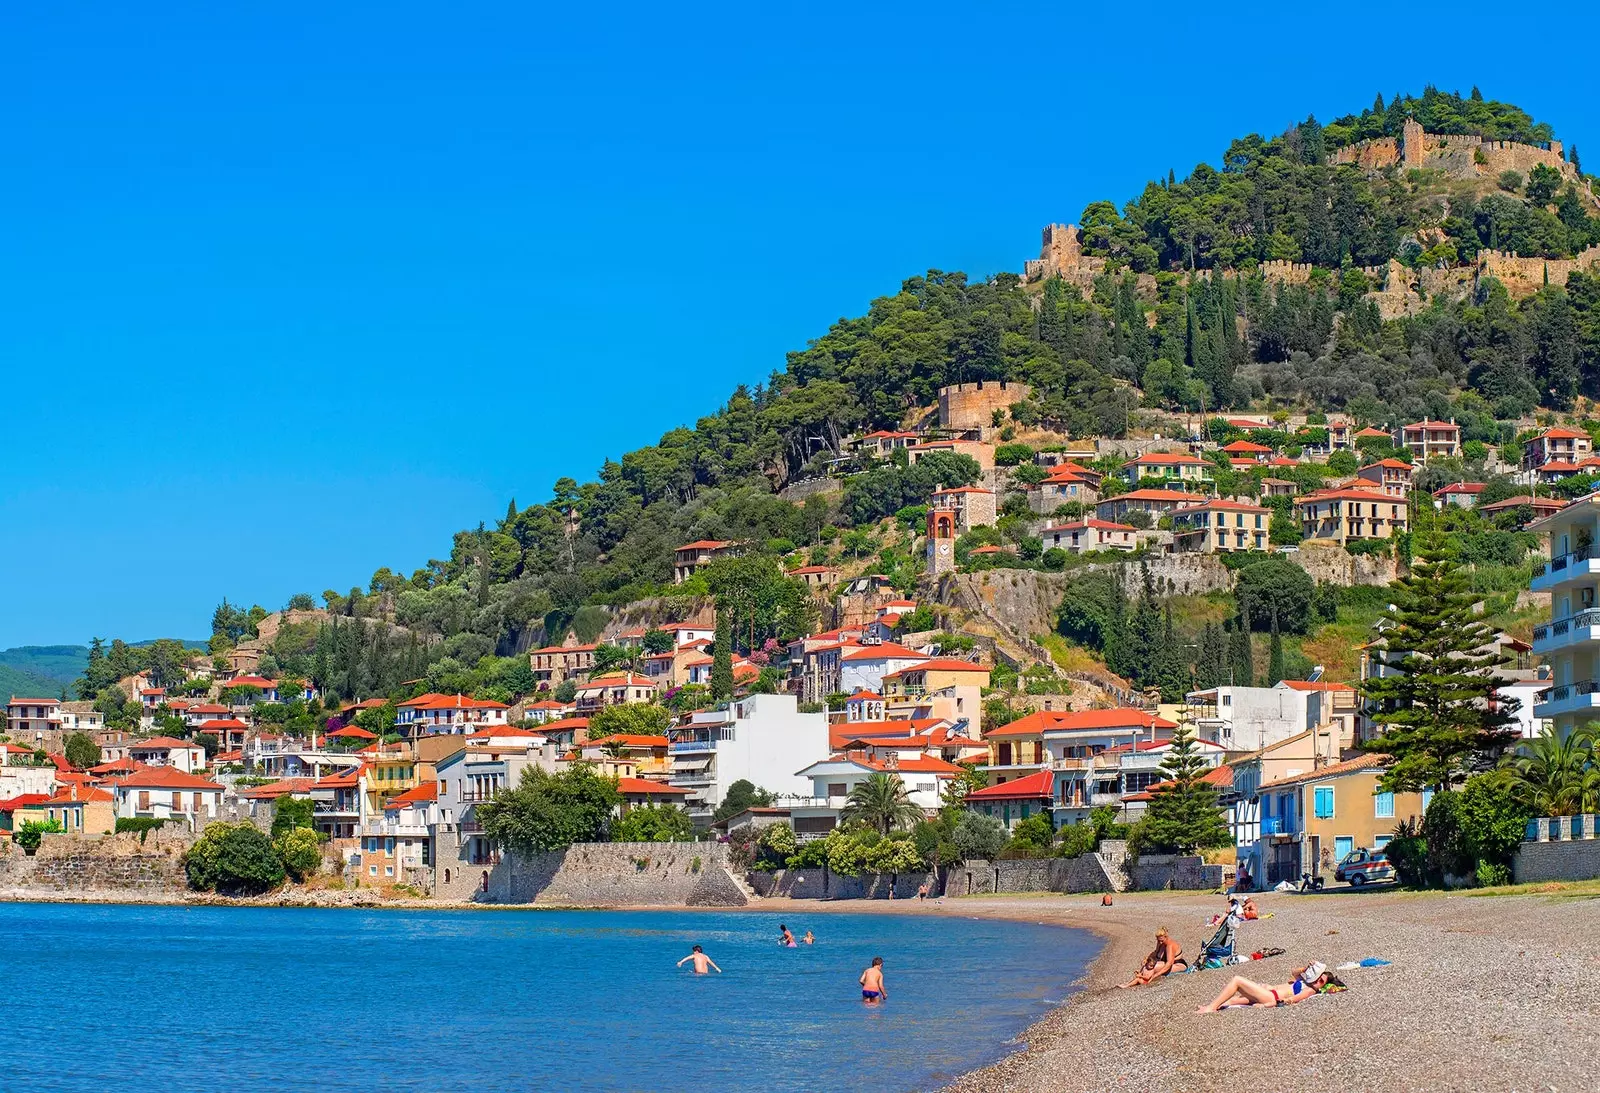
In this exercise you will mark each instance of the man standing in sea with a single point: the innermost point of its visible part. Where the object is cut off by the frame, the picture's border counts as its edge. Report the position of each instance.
(701, 962)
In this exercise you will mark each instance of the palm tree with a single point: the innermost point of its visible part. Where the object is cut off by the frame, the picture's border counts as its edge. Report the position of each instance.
(1557, 775)
(882, 801)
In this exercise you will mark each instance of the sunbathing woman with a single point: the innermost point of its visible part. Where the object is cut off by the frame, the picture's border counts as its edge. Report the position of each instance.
(1309, 980)
(1162, 959)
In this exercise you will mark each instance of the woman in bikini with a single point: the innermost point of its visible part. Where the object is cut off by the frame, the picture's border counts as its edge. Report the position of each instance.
(1240, 991)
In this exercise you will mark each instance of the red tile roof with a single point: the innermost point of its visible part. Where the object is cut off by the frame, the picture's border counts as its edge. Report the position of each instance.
(865, 696)
(1319, 685)
(260, 682)
(1040, 784)
(940, 664)
(158, 743)
(1122, 717)
(1176, 496)
(644, 786)
(1246, 446)
(1560, 433)
(23, 800)
(421, 793)
(1360, 763)
(435, 701)
(352, 732)
(617, 679)
(632, 740)
(706, 544)
(222, 723)
(1459, 487)
(208, 707)
(887, 650)
(164, 778)
(1433, 425)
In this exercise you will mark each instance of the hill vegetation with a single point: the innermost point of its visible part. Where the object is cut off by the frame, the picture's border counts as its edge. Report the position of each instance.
(1096, 359)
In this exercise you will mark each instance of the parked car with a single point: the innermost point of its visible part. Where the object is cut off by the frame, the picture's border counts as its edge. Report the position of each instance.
(1365, 867)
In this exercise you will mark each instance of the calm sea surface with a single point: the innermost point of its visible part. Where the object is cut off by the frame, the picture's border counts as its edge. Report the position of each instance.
(177, 999)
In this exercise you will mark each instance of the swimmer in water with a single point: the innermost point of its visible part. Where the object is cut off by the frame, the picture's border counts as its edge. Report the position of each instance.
(701, 962)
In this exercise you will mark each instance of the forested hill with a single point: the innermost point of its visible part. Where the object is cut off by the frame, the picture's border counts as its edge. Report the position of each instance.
(1147, 334)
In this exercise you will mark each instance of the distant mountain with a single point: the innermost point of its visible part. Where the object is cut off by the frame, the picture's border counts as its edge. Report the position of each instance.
(41, 671)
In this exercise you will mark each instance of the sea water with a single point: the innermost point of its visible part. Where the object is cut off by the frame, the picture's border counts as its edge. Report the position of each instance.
(192, 998)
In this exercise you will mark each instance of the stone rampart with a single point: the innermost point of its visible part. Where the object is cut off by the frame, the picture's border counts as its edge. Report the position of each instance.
(972, 405)
(594, 875)
(85, 864)
(1156, 872)
(1525, 276)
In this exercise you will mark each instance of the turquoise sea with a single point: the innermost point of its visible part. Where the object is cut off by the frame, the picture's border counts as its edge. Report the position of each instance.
(192, 998)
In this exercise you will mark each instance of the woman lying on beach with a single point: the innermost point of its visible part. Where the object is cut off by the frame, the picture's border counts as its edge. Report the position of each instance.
(1162, 959)
(1309, 980)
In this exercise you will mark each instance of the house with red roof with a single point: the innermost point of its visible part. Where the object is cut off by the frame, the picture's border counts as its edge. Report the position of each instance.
(229, 732)
(20, 803)
(882, 443)
(165, 792)
(1556, 445)
(973, 506)
(1392, 476)
(1220, 527)
(200, 712)
(628, 755)
(80, 809)
(397, 842)
(862, 668)
(1156, 503)
(614, 689)
(638, 792)
(167, 751)
(687, 559)
(1084, 536)
(1247, 450)
(432, 713)
(940, 687)
(268, 688)
(1463, 495)
(1428, 439)
(1181, 469)
(1343, 515)
(1064, 484)
(27, 718)
(555, 664)
(1014, 801)
(832, 780)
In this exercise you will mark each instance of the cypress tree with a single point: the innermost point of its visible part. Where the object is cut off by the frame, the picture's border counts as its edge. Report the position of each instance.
(1275, 666)
(1210, 665)
(1434, 711)
(1239, 653)
(1183, 815)
(722, 659)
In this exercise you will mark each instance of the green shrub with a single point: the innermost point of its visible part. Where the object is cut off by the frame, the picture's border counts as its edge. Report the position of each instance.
(142, 824)
(1447, 849)
(1076, 839)
(1490, 875)
(978, 837)
(1408, 853)
(34, 831)
(234, 859)
(300, 850)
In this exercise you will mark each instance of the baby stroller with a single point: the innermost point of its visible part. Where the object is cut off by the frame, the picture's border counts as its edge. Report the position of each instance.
(1218, 952)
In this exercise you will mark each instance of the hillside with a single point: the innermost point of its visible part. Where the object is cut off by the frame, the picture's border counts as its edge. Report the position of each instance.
(1258, 282)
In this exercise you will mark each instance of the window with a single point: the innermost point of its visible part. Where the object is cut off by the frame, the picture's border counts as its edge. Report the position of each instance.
(1383, 806)
(1324, 802)
(372, 870)
(1380, 841)
(1427, 795)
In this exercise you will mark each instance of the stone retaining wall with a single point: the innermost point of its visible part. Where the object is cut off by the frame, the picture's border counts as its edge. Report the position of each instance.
(83, 863)
(1574, 859)
(597, 875)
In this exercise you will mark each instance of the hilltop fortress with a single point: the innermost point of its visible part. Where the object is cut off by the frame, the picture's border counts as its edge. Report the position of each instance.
(1397, 289)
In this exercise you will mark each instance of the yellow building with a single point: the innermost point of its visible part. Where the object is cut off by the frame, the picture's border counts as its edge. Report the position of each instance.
(1311, 820)
(1345, 514)
(77, 809)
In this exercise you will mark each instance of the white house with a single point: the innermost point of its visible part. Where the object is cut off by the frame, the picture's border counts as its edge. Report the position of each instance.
(165, 751)
(166, 793)
(762, 738)
(433, 713)
(1247, 718)
(832, 779)
(863, 668)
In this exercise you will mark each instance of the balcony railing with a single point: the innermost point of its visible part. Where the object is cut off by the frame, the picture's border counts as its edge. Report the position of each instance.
(1559, 628)
(1562, 561)
(1571, 690)
(683, 746)
(474, 796)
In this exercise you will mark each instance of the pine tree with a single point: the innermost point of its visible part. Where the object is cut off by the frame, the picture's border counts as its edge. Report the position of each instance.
(1116, 643)
(1240, 656)
(1275, 664)
(1183, 815)
(722, 659)
(1572, 158)
(1144, 636)
(1435, 711)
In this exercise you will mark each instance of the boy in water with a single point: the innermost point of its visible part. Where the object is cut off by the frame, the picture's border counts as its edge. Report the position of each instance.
(872, 990)
(785, 938)
(701, 962)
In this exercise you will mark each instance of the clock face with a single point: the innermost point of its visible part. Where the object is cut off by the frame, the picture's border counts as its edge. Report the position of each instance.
(944, 548)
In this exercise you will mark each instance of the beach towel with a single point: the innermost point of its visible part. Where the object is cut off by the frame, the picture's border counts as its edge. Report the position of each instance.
(1369, 962)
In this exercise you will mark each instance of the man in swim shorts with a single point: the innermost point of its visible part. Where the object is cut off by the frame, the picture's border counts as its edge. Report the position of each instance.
(701, 962)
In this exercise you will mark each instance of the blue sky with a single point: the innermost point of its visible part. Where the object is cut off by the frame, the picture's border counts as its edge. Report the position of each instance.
(290, 295)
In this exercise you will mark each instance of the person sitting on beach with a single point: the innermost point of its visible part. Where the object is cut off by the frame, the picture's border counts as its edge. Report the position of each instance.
(1250, 911)
(1162, 959)
(785, 938)
(872, 988)
(809, 939)
(701, 961)
(1309, 980)
(1105, 900)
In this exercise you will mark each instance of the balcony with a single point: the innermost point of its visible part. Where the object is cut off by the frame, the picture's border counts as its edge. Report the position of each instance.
(477, 797)
(1572, 630)
(1569, 698)
(1578, 565)
(686, 747)
(1083, 764)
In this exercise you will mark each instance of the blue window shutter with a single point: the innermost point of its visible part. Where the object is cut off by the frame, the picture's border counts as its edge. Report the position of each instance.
(1324, 802)
(1383, 806)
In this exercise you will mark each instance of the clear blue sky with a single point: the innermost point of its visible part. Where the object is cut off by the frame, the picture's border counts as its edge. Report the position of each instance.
(291, 295)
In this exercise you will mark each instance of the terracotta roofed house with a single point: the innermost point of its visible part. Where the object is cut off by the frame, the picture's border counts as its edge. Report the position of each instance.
(1556, 445)
(1086, 535)
(1390, 475)
(1180, 468)
(1155, 502)
(688, 558)
(1219, 526)
(1427, 439)
(1460, 494)
(1344, 514)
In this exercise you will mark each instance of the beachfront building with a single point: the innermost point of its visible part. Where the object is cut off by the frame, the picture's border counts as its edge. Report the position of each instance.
(1220, 527)
(397, 838)
(763, 739)
(166, 793)
(1310, 821)
(1014, 801)
(1570, 642)
(834, 778)
(1081, 751)
(1244, 719)
(80, 810)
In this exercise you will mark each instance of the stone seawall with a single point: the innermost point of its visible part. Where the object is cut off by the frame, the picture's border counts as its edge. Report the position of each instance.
(1085, 873)
(80, 865)
(597, 875)
(1575, 859)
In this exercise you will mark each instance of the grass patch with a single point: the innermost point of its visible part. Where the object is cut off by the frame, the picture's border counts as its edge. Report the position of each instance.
(1068, 656)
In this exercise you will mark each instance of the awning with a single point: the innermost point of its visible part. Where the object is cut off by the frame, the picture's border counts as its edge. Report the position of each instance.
(690, 764)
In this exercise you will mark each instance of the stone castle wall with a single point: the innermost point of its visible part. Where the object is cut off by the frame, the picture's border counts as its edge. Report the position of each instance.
(595, 875)
(972, 405)
(1524, 276)
(77, 865)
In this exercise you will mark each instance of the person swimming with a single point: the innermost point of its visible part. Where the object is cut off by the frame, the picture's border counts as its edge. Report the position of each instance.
(809, 939)
(785, 938)
(701, 961)
(872, 988)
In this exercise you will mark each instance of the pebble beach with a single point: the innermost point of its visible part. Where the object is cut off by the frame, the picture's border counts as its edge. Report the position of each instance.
(1483, 993)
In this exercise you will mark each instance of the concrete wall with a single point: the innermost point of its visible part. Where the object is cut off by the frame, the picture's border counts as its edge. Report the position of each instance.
(597, 875)
(823, 883)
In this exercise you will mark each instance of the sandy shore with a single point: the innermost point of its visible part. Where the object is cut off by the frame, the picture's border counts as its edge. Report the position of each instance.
(1484, 993)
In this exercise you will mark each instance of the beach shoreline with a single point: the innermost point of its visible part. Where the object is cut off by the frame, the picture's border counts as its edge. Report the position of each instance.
(1483, 992)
